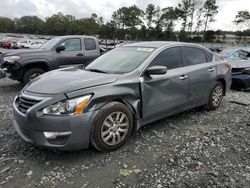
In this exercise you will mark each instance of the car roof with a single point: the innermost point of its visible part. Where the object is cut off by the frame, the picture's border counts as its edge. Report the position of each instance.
(72, 36)
(160, 44)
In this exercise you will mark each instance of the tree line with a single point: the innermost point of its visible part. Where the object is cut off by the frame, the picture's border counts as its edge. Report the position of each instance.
(132, 23)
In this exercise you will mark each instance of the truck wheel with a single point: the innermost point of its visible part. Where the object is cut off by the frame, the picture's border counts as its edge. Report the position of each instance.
(215, 97)
(111, 127)
(31, 74)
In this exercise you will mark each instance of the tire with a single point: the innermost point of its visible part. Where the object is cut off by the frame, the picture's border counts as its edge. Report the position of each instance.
(215, 96)
(30, 74)
(117, 133)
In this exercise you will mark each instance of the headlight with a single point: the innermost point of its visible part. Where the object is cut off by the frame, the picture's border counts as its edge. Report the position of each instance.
(11, 59)
(68, 107)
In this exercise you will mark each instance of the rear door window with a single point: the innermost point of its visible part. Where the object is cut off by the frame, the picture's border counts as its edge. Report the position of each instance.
(210, 56)
(90, 44)
(195, 56)
(170, 58)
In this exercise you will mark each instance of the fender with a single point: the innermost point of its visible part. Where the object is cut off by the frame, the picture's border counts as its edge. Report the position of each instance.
(128, 94)
(17, 70)
(34, 61)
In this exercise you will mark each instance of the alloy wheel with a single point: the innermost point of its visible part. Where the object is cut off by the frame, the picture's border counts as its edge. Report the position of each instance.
(115, 128)
(217, 95)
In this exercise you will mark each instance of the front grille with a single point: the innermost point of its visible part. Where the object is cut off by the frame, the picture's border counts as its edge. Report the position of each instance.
(23, 104)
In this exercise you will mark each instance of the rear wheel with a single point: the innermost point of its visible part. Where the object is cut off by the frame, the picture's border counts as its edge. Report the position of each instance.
(112, 127)
(31, 74)
(216, 96)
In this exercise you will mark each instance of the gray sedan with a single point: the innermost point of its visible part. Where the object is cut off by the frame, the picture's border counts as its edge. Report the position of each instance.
(103, 103)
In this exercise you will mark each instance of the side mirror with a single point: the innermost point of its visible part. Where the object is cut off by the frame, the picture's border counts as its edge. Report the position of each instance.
(60, 48)
(156, 70)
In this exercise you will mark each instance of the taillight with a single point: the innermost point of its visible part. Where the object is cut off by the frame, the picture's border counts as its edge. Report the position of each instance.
(229, 66)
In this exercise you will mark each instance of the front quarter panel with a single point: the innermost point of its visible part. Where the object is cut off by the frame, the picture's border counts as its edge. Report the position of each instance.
(126, 90)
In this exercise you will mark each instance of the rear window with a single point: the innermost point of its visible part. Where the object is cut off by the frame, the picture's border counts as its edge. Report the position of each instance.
(195, 56)
(90, 44)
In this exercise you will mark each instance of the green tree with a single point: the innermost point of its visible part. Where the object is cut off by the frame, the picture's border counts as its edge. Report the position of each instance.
(128, 18)
(210, 10)
(210, 36)
(150, 15)
(183, 10)
(55, 25)
(168, 18)
(243, 17)
(152, 18)
(131, 16)
(195, 6)
(199, 20)
(7, 25)
(157, 32)
(30, 25)
(108, 31)
(60, 24)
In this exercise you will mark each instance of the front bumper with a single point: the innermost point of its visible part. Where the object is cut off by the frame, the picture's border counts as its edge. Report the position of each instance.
(33, 125)
(241, 82)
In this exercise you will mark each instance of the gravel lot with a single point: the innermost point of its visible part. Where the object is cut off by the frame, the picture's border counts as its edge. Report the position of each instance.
(192, 149)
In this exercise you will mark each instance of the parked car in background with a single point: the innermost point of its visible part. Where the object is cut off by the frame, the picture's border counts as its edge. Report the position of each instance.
(215, 49)
(25, 65)
(10, 42)
(241, 75)
(23, 43)
(239, 59)
(242, 53)
(117, 93)
(7, 43)
(110, 44)
(1, 40)
(14, 43)
(34, 44)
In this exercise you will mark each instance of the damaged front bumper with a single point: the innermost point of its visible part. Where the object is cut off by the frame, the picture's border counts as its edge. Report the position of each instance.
(241, 82)
(11, 70)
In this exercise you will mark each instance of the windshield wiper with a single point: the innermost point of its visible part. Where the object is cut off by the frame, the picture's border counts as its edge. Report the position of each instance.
(96, 70)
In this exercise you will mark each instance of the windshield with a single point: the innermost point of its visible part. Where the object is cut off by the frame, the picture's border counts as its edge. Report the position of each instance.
(51, 43)
(120, 60)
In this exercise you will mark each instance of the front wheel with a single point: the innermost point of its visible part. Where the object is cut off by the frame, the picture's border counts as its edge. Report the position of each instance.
(112, 127)
(215, 97)
(31, 74)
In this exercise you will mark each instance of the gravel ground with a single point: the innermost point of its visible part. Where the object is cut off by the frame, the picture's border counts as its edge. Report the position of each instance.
(192, 149)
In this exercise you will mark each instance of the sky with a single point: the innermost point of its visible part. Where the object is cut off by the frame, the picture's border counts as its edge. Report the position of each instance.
(84, 8)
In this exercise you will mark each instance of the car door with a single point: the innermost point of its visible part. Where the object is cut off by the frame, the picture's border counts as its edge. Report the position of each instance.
(72, 55)
(202, 74)
(91, 49)
(165, 94)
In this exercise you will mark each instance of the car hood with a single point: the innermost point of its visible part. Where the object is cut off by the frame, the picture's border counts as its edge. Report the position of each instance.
(23, 52)
(68, 80)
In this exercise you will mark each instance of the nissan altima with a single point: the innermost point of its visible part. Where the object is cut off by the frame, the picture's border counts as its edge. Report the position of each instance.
(103, 103)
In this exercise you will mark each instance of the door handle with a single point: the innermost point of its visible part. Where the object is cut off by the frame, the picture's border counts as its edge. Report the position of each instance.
(79, 55)
(211, 69)
(183, 77)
